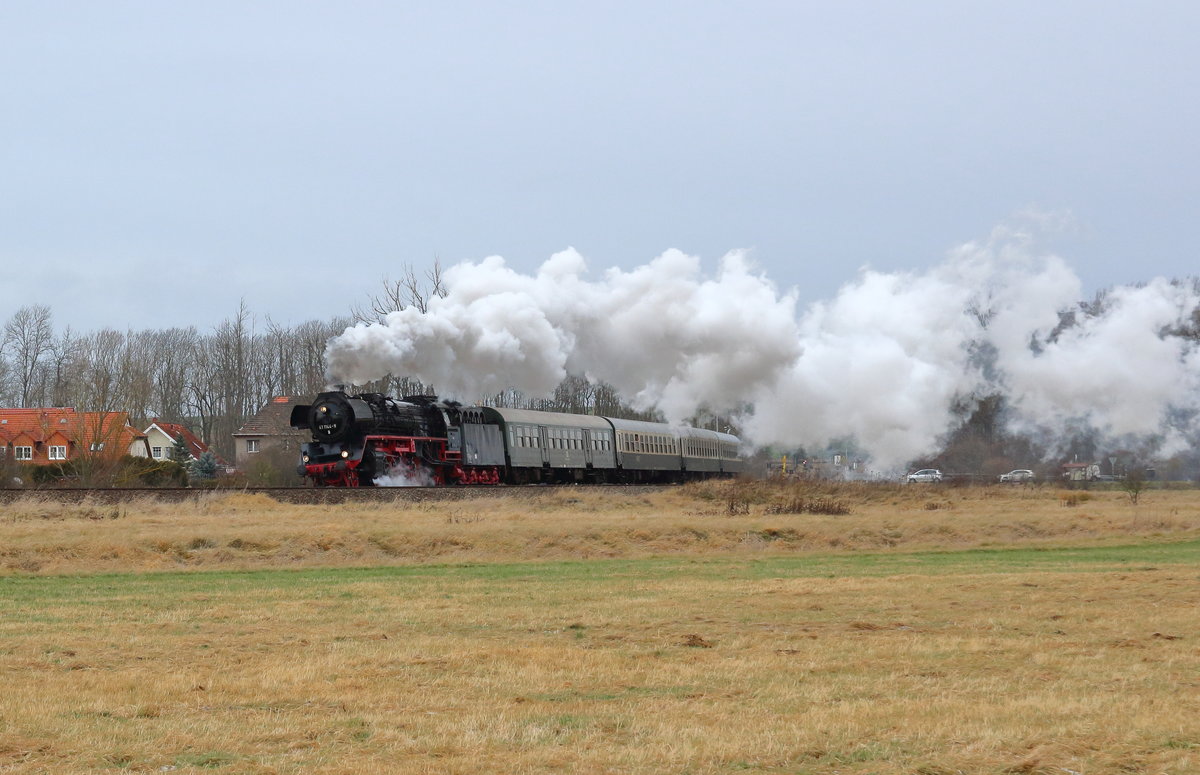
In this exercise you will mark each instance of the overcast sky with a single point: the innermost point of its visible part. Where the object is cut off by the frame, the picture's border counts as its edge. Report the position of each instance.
(161, 161)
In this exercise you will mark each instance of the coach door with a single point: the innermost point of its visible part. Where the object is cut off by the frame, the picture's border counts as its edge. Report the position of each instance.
(544, 444)
(587, 448)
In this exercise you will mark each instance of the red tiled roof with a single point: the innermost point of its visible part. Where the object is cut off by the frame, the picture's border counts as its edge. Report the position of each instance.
(195, 446)
(37, 424)
(84, 429)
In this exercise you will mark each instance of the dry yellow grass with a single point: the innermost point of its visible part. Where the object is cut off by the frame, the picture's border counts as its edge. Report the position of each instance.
(716, 644)
(252, 531)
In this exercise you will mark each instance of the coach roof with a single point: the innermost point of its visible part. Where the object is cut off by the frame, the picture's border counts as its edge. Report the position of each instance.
(556, 419)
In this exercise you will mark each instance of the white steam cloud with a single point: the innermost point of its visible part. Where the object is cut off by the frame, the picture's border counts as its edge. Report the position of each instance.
(884, 362)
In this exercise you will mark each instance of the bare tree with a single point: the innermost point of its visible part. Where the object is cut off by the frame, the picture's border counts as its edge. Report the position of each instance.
(203, 393)
(100, 388)
(64, 355)
(29, 335)
(7, 381)
(410, 290)
(174, 358)
(1135, 483)
(309, 346)
(232, 352)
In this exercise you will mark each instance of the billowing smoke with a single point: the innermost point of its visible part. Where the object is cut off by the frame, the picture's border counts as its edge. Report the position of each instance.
(886, 361)
(663, 335)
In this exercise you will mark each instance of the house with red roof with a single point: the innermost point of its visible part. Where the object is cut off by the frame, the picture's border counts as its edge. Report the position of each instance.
(161, 436)
(59, 434)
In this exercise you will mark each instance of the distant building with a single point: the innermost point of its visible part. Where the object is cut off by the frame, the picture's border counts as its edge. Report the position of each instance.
(269, 431)
(161, 436)
(56, 435)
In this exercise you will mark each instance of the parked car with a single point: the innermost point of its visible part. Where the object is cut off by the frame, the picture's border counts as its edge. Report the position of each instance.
(924, 475)
(1018, 475)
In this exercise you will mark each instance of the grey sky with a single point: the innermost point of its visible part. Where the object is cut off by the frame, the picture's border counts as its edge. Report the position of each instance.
(161, 161)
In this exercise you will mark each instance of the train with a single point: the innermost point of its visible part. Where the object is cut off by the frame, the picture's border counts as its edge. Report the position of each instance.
(370, 439)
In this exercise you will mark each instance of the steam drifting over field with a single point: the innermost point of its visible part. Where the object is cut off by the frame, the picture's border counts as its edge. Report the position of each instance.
(885, 361)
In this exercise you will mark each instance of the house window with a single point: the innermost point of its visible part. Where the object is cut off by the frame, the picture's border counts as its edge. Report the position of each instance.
(97, 446)
(252, 445)
(58, 453)
(23, 453)
(156, 451)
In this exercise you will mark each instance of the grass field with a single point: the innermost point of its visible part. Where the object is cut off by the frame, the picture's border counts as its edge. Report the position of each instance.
(700, 630)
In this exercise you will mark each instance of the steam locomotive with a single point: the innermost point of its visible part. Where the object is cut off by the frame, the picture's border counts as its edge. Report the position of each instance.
(371, 439)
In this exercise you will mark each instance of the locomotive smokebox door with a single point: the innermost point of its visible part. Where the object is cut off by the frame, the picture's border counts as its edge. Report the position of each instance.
(299, 417)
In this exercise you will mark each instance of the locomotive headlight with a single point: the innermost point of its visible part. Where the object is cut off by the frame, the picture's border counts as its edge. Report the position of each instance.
(305, 458)
(345, 453)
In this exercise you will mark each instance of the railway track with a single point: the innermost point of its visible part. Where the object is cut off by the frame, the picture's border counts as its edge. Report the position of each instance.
(311, 495)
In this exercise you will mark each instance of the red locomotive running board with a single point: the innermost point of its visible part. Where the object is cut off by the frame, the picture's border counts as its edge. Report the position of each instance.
(410, 460)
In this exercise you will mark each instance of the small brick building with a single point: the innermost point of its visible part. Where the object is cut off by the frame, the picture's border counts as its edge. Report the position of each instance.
(270, 431)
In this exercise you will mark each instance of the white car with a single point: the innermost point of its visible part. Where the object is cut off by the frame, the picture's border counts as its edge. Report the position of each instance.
(1019, 475)
(924, 475)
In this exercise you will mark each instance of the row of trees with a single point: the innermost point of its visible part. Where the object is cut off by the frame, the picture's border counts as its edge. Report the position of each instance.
(212, 381)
